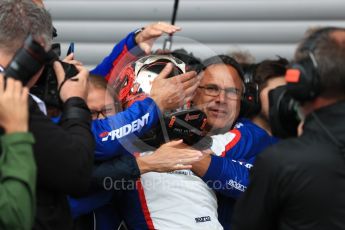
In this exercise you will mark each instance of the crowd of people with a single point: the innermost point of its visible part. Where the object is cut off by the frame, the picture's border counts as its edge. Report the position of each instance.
(268, 152)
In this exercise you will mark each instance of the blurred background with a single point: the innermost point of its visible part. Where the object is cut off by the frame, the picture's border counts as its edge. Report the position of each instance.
(265, 28)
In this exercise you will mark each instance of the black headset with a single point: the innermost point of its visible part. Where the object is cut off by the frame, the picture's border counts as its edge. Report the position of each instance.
(302, 77)
(250, 104)
(303, 80)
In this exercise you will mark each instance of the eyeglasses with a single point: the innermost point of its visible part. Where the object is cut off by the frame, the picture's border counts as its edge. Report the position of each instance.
(107, 111)
(214, 91)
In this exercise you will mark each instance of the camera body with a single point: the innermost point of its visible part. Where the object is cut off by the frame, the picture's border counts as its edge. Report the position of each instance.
(46, 87)
(27, 62)
(284, 113)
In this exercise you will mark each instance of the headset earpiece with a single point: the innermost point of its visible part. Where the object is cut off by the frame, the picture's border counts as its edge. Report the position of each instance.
(303, 80)
(250, 104)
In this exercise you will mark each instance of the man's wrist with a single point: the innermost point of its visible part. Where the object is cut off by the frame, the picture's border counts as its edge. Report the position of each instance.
(136, 33)
(144, 164)
(158, 103)
(76, 108)
(16, 128)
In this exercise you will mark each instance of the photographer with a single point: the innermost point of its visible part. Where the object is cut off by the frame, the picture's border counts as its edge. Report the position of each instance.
(17, 164)
(64, 154)
(299, 183)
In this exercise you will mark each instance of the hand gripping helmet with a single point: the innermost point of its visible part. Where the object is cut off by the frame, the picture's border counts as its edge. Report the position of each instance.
(134, 81)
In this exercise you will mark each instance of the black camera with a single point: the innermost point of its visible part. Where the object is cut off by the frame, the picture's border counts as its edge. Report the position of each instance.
(29, 59)
(284, 114)
(46, 87)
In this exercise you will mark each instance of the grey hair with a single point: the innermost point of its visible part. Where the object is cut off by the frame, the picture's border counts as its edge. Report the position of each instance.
(329, 55)
(18, 19)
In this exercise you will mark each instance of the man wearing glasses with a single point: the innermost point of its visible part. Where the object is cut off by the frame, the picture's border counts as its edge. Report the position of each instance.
(186, 199)
(219, 93)
(236, 141)
(100, 100)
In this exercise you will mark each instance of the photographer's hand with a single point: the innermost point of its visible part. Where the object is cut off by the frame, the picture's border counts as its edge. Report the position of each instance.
(171, 93)
(14, 113)
(169, 157)
(73, 87)
(150, 33)
(70, 60)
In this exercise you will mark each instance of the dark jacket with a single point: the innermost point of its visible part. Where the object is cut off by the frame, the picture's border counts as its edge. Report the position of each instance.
(299, 183)
(64, 157)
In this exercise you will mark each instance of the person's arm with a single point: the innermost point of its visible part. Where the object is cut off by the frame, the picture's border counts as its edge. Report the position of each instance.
(64, 154)
(257, 208)
(114, 133)
(17, 181)
(223, 174)
(17, 164)
(123, 52)
(114, 174)
(120, 168)
(84, 205)
(135, 44)
(126, 167)
(166, 94)
(234, 152)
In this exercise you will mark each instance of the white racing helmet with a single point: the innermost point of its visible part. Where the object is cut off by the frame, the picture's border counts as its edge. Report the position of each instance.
(135, 79)
(134, 83)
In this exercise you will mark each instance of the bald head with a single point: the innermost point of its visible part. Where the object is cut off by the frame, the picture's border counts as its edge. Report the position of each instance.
(327, 45)
(339, 37)
(39, 3)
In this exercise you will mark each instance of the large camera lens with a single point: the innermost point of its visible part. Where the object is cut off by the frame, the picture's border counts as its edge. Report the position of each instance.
(27, 61)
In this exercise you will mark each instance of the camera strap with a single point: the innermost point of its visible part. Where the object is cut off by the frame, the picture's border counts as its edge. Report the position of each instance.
(62, 83)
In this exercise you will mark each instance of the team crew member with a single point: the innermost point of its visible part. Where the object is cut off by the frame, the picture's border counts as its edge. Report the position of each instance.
(299, 183)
